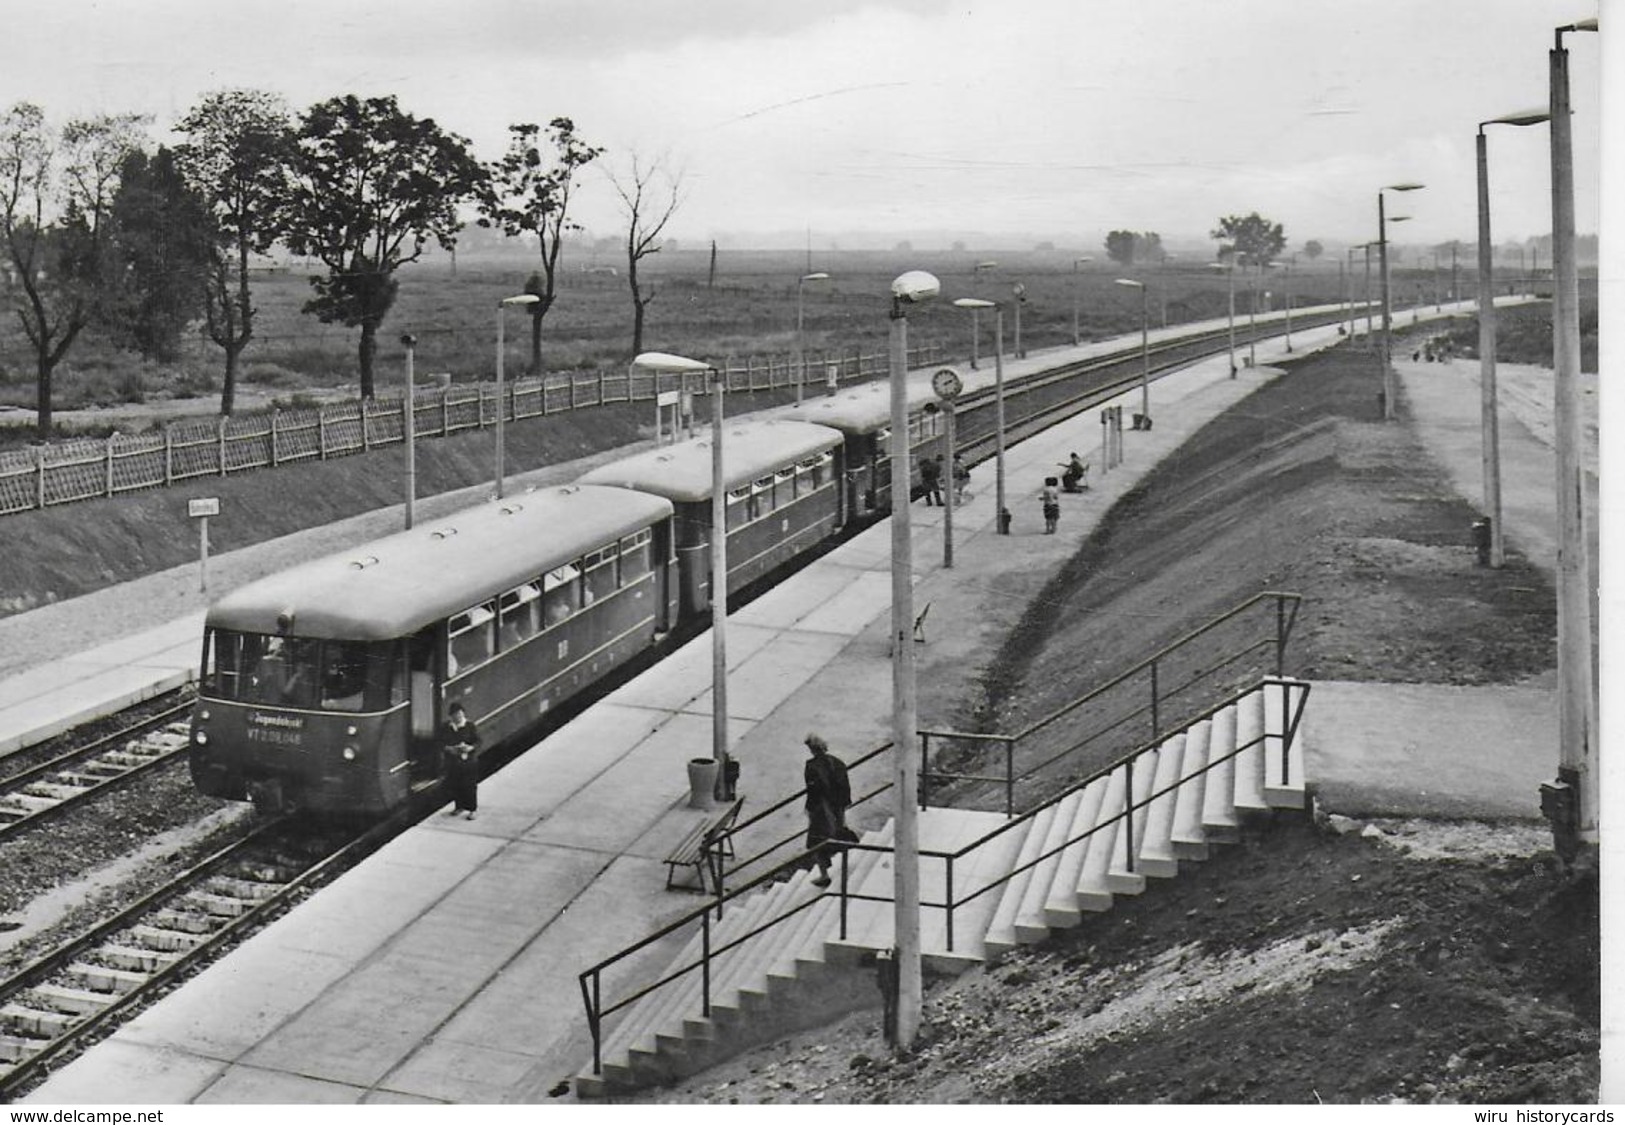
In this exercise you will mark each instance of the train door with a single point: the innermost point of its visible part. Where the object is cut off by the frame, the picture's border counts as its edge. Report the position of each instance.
(425, 718)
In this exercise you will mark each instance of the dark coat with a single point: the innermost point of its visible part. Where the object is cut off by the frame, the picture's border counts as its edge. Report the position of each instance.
(829, 793)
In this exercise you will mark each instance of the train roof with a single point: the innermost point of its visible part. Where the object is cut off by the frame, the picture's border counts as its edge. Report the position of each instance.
(862, 409)
(682, 472)
(394, 586)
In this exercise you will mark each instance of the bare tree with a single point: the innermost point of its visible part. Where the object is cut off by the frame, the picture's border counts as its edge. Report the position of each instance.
(56, 198)
(650, 195)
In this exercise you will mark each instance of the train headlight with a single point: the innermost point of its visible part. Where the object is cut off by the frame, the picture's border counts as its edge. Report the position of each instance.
(203, 715)
(349, 753)
(350, 731)
(201, 737)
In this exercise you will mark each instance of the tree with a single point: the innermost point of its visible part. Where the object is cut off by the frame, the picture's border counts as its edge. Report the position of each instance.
(56, 195)
(650, 195)
(162, 237)
(1253, 237)
(371, 186)
(1313, 249)
(1148, 246)
(528, 196)
(1120, 246)
(237, 155)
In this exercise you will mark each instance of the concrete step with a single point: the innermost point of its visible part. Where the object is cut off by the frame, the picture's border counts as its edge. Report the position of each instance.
(1219, 822)
(1249, 794)
(1157, 859)
(1094, 891)
(1061, 908)
(1001, 935)
(1031, 924)
(1122, 874)
(1188, 840)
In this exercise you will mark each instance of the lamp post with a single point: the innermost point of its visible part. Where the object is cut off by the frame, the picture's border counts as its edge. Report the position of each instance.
(1576, 672)
(801, 347)
(1076, 262)
(1489, 411)
(1288, 264)
(1145, 350)
(912, 288)
(1252, 317)
(975, 305)
(662, 363)
(1020, 292)
(1387, 318)
(1229, 268)
(409, 422)
(502, 392)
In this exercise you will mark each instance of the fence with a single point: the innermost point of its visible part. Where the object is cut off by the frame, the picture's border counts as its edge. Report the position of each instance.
(86, 469)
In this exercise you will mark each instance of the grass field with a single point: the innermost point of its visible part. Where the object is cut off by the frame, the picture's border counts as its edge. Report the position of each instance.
(750, 309)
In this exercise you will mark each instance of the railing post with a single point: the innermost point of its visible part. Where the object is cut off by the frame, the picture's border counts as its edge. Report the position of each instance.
(221, 444)
(1156, 718)
(1280, 634)
(445, 411)
(39, 478)
(366, 439)
(1009, 777)
(597, 1023)
(948, 898)
(169, 454)
(925, 768)
(705, 964)
(1128, 810)
(107, 466)
(844, 871)
(274, 413)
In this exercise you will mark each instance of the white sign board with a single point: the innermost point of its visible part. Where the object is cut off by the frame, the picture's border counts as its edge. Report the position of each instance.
(668, 398)
(208, 506)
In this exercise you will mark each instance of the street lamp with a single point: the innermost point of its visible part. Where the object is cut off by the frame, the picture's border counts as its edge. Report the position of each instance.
(801, 347)
(1229, 268)
(1145, 354)
(1291, 260)
(662, 363)
(1076, 262)
(1387, 319)
(975, 305)
(502, 394)
(912, 288)
(409, 433)
(1578, 774)
(1489, 410)
(1020, 292)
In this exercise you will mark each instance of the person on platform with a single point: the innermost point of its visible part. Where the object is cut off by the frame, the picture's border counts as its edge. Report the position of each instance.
(1051, 497)
(931, 480)
(961, 479)
(829, 794)
(1075, 477)
(460, 745)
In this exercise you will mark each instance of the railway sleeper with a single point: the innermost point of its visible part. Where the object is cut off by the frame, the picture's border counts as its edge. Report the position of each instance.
(257, 890)
(101, 770)
(164, 939)
(123, 759)
(102, 978)
(66, 999)
(186, 923)
(17, 1048)
(32, 803)
(136, 959)
(77, 780)
(55, 790)
(36, 1020)
(219, 905)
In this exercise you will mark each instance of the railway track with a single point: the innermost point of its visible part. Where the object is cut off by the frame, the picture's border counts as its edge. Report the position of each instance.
(94, 769)
(56, 1003)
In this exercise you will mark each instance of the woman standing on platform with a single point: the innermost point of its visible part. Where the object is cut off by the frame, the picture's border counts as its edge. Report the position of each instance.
(460, 742)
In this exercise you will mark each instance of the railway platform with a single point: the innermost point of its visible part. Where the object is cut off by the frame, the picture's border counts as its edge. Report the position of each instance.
(443, 969)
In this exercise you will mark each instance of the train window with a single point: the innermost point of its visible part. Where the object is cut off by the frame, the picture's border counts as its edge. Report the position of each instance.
(738, 507)
(519, 611)
(344, 675)
(598, 578)
(786, 484)
(636, 556)
(761, 498)
(470, 638)
(561, 594)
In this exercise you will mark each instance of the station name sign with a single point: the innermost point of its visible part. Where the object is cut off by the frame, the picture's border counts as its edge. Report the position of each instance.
(208, 506)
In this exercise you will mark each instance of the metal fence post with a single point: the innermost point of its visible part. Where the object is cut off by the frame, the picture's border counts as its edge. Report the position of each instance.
(1280, 634)
(1156, 719)
(107, 456)
(705, 964)
(366, 439)
(948, 899)
(169, 455)
(274, 413)
(221, 445)
(39, 478)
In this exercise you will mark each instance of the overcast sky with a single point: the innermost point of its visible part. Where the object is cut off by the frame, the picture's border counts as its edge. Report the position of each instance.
(1010, 117)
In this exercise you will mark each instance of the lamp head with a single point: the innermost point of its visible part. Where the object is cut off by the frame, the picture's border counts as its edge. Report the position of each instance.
(815, 277)
(521, 299)
(1130, 284)
(915, 287)
(973, 303)
(664, 363)
(1404, 187)
(1522, 117)
(980, 266)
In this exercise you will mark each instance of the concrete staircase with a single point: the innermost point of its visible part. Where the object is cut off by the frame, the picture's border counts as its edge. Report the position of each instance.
(1019, 880)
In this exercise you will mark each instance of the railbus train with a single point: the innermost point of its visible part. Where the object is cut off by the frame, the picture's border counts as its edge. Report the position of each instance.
(323, 686)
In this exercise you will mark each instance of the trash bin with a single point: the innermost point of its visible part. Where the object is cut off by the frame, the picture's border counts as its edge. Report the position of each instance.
(702, 782)
(1481, 539)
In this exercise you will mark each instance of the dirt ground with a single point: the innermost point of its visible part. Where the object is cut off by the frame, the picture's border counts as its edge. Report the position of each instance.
(1322, 960)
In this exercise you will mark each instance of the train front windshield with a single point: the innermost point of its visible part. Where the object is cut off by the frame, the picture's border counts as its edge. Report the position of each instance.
(301, 672)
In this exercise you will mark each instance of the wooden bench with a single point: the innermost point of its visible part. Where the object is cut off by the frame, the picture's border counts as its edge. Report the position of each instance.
(703, 849)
